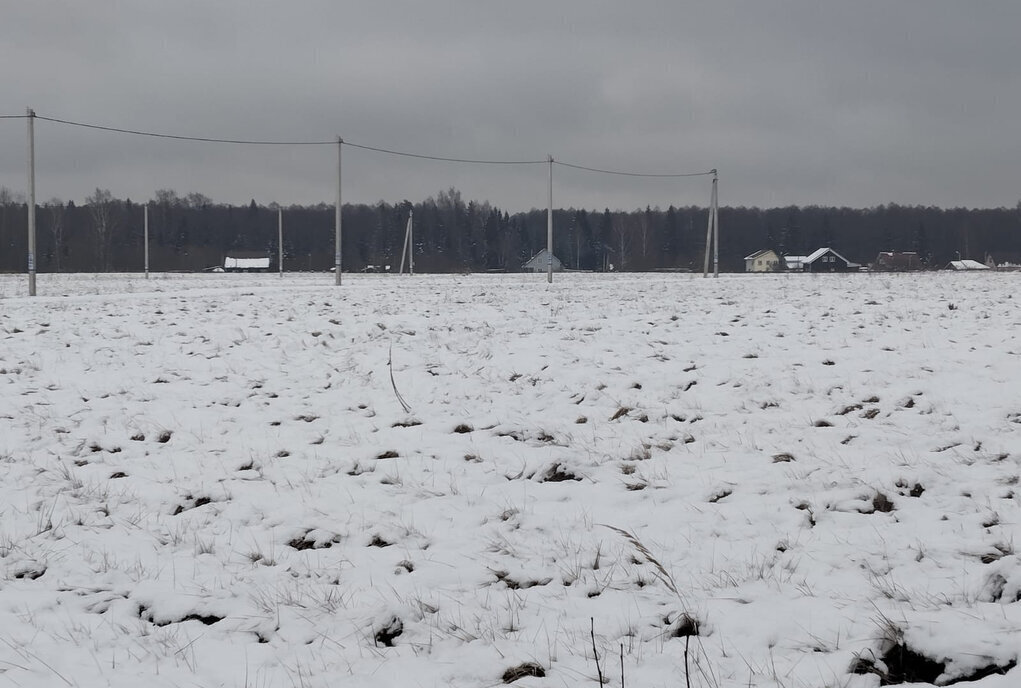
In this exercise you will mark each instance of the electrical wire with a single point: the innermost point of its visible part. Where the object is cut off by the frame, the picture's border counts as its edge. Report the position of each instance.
(202, 139)
(443, 159)
(634, 174)
(376, 149)
(251, 142)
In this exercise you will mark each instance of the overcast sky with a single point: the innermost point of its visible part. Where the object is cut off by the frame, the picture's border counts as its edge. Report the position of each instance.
(837, 103)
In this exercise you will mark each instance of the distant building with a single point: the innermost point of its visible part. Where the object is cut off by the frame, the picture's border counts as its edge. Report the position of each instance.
(794, 263)
(827, 260)
(766, 260)
(897, 261)
(966, 265)
(1004, 261)
(540, 263)
(246, 262)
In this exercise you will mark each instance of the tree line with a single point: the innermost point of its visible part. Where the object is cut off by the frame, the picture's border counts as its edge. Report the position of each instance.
(192, 232)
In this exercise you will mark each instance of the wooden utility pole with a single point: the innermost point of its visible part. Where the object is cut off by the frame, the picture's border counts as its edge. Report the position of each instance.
(145, 223)
(31, 202)
(338, 254)
(549, 224)
(712, 234)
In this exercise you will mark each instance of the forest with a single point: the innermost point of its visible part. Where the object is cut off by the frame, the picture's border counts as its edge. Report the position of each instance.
(192, 232)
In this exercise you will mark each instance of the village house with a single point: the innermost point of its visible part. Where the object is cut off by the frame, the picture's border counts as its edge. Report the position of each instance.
(766, 260)
(897, 261)
(540, 263)
(827, 260)
(966, 264)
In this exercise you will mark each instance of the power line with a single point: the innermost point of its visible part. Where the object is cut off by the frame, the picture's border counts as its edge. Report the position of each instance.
(634, 174)
(376, 149)
(251, 142)
(201, 139)
(443, 159)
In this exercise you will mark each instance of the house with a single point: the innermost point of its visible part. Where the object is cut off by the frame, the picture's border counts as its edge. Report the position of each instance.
(897, 261)
(827, 260)
(246, 262)
(966, 265)
(766, 260)
(540, 262)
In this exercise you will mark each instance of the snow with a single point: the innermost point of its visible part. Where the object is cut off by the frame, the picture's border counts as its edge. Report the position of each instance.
(209, 480)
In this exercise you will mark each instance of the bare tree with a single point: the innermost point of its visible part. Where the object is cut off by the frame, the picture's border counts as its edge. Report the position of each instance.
(6, 202)
(199, 201)
(55, 212)
(624, 230)
(102, 207)
(167, 198)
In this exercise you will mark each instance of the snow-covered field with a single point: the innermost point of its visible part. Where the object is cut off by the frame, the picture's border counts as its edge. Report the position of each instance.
(750, 481)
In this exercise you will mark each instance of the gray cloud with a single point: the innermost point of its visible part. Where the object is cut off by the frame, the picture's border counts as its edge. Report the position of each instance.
(795, 102)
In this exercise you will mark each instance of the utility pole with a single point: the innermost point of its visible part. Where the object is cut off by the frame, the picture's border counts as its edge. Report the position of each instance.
(31, 202)
(716, 227)
(712, 234)
(146, 231)
(549, 225)
(409, 245)
(336, 218)
(280, 241)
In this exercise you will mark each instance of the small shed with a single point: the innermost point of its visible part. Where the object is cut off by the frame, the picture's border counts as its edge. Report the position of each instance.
(828, 260)
(766, 260)
(794, 263)
(540, 262)
(246, 262)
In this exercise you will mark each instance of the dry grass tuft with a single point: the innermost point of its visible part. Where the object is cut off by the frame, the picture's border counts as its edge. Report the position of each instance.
(661, 573)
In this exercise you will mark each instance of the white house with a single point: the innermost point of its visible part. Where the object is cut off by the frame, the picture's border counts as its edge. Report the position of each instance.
(540, 263)
(766, 260)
